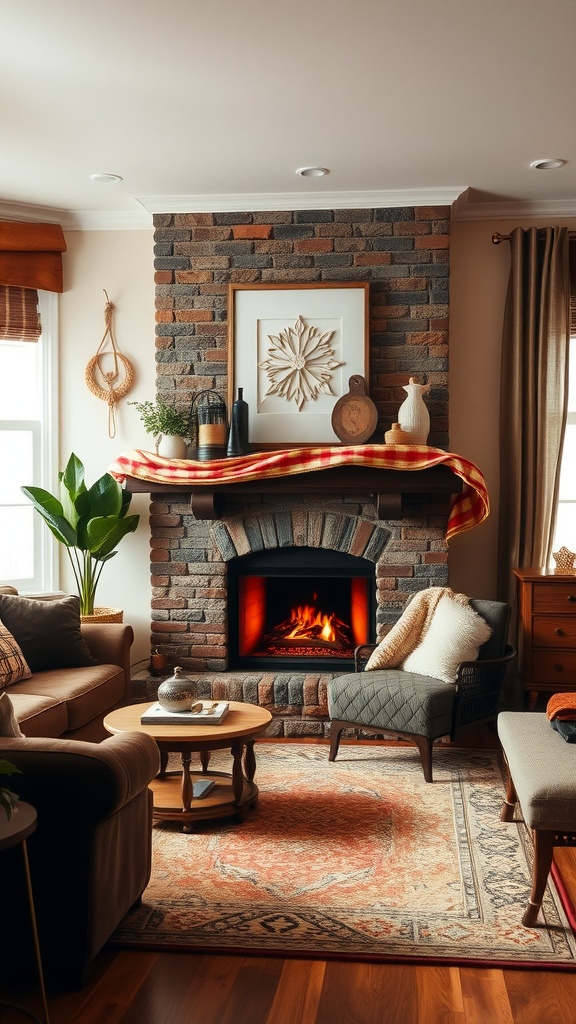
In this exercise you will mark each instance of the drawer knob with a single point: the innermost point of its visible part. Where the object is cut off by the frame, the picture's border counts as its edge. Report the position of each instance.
(557, 668)
(559, 632)
(572, 597)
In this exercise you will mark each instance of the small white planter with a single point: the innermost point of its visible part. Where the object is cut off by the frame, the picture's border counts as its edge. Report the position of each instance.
(171, 446)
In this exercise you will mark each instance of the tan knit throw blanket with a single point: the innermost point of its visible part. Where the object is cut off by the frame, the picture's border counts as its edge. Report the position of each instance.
(411, 628)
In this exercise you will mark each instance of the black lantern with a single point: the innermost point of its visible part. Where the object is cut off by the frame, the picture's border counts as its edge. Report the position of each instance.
(208, 425)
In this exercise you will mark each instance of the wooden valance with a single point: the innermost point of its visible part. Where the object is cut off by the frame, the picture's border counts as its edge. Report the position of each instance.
(31, 255)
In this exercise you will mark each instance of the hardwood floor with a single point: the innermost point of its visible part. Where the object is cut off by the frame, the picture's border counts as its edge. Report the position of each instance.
(187, 988)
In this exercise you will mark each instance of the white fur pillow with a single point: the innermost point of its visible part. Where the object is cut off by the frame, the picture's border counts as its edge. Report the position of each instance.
(8, 722)
(455, 634)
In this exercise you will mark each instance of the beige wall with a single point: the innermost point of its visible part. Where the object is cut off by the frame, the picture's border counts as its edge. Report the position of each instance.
(122, 263)
(479, 273)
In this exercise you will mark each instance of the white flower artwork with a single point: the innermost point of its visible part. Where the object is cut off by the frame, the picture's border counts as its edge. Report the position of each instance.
(300, 364)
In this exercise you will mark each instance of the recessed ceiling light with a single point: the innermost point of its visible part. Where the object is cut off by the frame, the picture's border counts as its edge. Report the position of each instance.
(105, 179)
(547, 165)
(312, 172)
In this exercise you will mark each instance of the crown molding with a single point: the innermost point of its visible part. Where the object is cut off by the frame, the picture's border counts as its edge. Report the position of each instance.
(465, 208)
(79, 220)
(245, 202)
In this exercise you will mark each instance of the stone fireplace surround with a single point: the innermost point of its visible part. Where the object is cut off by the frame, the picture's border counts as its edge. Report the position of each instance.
(403, 253)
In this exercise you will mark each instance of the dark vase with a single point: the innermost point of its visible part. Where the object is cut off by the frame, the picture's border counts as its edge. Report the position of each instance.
(238, 434)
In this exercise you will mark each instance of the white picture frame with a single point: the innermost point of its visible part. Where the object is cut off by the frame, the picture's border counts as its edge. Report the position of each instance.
(290, 400)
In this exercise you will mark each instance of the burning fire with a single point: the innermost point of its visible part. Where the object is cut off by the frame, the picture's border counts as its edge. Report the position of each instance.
(310, 623)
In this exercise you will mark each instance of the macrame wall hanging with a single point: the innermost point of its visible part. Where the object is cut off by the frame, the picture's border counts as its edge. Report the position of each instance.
(113, 384)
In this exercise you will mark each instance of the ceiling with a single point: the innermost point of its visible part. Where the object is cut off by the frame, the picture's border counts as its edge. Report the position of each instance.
(214, 104)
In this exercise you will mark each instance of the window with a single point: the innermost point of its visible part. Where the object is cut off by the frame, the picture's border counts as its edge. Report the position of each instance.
(27, 448)
(565, 535)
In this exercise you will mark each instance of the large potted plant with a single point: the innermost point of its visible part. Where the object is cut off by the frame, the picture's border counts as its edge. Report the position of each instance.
(90, 522)
(169, 427)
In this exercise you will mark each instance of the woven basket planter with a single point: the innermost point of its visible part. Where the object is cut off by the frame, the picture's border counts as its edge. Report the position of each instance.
(104, 615)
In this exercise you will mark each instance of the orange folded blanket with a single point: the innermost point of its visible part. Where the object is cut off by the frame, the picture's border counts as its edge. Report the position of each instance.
(562, 706)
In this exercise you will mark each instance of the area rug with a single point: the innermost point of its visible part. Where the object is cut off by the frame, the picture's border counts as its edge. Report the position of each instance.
(358, 859)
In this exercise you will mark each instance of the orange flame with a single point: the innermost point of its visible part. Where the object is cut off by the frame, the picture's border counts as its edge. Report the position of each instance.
(306, 621)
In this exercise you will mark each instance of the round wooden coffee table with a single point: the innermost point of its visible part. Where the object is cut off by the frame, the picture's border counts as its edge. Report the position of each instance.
(176, 793)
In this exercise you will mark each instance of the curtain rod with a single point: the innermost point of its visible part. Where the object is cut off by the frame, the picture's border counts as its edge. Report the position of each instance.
(497, 237)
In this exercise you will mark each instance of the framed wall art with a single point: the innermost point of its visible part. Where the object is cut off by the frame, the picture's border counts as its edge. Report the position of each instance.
(292, 348)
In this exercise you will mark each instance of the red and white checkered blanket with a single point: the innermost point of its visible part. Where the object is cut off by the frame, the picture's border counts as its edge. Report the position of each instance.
(469, 508)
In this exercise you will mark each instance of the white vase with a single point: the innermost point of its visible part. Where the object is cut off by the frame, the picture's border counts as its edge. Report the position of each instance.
(413, 415)
(171, 446)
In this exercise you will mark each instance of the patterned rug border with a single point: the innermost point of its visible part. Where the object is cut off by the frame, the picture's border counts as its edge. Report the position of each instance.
(560, 913)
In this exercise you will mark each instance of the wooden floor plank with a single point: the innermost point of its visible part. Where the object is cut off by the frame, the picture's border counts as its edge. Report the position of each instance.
(485, 996)
(298, 993)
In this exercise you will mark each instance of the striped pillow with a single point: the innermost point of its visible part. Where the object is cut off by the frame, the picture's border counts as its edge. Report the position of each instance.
(13, 664)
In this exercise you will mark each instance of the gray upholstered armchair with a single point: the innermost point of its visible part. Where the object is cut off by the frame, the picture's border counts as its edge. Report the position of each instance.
(419, 707)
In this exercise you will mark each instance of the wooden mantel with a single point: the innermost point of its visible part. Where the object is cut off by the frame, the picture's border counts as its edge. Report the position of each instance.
(387, 485)
(388, 472)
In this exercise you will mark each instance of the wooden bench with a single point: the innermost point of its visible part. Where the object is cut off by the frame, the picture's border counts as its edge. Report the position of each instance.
(542, 780)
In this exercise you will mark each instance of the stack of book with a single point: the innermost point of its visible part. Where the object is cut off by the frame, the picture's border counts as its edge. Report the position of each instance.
(203, 712)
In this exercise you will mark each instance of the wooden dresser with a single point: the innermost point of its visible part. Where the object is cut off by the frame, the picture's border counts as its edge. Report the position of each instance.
(547, 626)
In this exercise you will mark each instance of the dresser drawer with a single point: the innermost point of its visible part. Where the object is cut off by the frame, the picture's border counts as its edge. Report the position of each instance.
(554, 631)
(554, 667)
(555, 597)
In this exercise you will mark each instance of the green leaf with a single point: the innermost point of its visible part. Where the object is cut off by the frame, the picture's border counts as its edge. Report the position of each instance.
(105, 533)
(105, 497)
(73, 477)
(52, 513)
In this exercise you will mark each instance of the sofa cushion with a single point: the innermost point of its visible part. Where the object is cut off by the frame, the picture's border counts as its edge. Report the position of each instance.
(390, 699)
(39, 716)
(13, 664)
(455, 634)
(83, 693)
(48, 632)
(8, 724)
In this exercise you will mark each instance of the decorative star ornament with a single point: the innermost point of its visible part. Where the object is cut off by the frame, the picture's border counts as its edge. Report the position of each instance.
(564, 561)
(300, 363)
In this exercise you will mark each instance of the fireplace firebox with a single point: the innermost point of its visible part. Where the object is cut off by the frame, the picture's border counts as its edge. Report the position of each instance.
(299, 608)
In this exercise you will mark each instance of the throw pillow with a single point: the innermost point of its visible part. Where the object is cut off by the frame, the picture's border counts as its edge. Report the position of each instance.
(8, 724)
(13, 666)
(456, 633)
(48, 632)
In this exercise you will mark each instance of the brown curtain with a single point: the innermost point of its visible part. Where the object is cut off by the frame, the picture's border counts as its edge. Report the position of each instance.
(533, 399)
(30, 258)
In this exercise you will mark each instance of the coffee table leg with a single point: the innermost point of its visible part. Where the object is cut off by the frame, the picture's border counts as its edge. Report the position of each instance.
(237, 773)
(204, 760)
(186, 781)
(250, 761)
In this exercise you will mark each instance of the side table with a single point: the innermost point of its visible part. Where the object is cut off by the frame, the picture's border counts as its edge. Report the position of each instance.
(547, 623)
(13, 831)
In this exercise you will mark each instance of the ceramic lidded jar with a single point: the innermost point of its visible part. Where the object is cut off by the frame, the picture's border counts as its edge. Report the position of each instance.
(413, 415)
(177, 693)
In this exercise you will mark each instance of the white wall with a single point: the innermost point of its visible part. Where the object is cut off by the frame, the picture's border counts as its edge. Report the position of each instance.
(122, 263)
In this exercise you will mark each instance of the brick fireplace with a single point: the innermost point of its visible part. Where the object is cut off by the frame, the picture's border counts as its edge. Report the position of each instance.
(403, 254)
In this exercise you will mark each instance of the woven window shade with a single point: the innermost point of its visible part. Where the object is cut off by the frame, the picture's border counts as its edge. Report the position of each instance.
(31, 255)
(19, 315)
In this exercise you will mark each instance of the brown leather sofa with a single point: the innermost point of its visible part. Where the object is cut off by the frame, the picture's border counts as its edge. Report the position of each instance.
(90, 856)
(72, 702)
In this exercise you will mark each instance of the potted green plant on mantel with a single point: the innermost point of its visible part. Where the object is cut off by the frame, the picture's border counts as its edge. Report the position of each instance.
(169, 427)
(90, 522)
